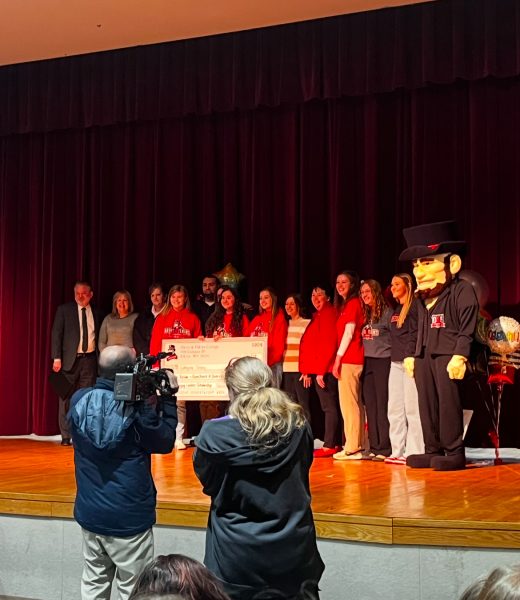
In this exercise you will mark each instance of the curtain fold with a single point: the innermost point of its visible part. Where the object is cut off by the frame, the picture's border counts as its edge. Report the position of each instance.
(290, 195)
(353, 55)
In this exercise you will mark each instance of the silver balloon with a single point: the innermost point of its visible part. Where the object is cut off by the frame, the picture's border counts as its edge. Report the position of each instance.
(503, 335)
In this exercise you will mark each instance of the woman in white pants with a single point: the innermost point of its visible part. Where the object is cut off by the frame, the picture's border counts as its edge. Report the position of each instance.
(406, 434)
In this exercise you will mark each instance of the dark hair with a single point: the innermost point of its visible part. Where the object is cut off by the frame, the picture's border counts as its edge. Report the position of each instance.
(157, 596)
(353, 277)
(216, 320)
(298, 300)
(178, 574)
(211, 276)
(154, 286)
(322, 286)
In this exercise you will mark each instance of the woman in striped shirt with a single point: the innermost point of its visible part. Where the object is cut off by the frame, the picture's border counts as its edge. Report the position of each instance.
(291, 381)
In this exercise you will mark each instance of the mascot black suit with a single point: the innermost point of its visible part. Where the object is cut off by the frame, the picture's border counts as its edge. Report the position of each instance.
(448, 310)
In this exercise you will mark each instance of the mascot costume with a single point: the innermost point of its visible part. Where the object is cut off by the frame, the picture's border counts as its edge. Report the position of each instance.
(448, 310)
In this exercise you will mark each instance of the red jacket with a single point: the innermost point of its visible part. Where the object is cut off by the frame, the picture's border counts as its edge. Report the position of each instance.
(259, 327)
(174, 326)
(318, 345)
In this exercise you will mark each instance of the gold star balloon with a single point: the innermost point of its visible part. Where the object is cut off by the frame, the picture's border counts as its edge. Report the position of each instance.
(229, 276)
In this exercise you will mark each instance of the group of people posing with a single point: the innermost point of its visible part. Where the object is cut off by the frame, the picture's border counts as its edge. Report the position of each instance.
(352, 352)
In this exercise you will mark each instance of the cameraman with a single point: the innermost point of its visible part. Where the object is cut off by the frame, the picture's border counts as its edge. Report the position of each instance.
(116, 496)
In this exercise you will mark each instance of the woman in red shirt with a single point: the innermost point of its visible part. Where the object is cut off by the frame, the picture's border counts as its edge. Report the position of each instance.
(271, 323)
(174, 322)
(228, 319)
(317, 352)
(349, 363)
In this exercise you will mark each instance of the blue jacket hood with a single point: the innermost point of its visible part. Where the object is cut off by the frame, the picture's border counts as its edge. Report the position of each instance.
(99, 419)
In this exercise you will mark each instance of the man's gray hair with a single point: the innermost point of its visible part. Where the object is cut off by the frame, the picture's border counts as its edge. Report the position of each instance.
(114, 359)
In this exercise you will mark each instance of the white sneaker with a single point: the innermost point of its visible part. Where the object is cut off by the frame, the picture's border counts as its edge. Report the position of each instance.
(180, 445)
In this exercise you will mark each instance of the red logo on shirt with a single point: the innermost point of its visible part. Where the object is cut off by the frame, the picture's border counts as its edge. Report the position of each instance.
(437, 321)
(394, 319)
(258, 332)
(177, 331)
(368, 333)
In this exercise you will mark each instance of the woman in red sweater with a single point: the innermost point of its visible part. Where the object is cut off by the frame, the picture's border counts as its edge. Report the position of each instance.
(317, 354)
(174, 322)
(271, 323)
(228, 318)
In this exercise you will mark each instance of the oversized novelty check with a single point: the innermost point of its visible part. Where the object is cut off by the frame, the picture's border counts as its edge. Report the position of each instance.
(199, 365)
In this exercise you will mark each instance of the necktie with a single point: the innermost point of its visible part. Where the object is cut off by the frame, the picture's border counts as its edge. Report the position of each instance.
(84, 330)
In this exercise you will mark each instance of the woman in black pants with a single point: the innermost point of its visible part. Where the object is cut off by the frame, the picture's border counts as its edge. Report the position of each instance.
(377, 345)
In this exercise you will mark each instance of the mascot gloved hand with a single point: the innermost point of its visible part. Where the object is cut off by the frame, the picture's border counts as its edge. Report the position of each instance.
(457, 367)
(448, 309)
(409, 366)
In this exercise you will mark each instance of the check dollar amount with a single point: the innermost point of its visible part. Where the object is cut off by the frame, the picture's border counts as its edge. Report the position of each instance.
(199, 364)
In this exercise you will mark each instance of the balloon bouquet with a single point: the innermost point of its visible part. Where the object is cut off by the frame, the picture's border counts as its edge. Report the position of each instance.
(503, 339)
(502, 336)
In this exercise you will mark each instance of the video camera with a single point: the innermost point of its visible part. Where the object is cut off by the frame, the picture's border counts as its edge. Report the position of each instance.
(139, 382)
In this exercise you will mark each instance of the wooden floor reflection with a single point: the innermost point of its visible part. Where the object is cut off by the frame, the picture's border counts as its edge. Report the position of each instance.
(356, 501)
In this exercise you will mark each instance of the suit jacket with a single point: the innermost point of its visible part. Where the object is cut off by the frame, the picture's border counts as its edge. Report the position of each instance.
(66, 333)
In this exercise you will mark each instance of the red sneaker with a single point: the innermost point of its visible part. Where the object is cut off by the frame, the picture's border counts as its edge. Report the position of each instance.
(324, 452)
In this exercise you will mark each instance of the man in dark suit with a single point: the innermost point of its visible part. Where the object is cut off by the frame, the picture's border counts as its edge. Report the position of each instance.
(74, 337)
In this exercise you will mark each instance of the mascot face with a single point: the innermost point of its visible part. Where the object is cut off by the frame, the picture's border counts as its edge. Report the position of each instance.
(430, 271)
(434, 273)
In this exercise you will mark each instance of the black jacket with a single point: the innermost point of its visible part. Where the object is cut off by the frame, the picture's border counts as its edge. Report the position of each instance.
(448, 327)
(261, 531)
(66, 333)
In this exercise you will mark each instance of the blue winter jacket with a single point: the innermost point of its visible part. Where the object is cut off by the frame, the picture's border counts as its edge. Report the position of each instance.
(113, 443)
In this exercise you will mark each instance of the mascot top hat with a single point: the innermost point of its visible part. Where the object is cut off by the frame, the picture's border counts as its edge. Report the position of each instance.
(431, 239)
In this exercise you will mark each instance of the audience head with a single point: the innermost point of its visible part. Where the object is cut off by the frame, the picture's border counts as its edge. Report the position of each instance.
(179, 576)
(294, 306)
(266, 414)
(503, 583)
(114, 359)
(83, 293)
(122, 304)
(157, 596)
(209, 287)
(347, 287)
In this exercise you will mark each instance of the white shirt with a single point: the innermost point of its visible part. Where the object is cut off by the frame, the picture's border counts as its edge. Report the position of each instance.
(91, 330)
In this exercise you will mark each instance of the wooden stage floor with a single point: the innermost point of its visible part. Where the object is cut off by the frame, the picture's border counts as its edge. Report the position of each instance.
(356, 501)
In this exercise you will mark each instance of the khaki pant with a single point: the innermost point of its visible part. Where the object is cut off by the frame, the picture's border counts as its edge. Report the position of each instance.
(352, 410)
(116, 559)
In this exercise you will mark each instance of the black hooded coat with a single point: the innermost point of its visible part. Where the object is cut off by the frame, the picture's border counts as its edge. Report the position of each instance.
(261, 531)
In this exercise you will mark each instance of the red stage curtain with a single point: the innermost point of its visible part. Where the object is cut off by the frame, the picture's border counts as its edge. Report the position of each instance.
(289, 194)
(373, 52)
